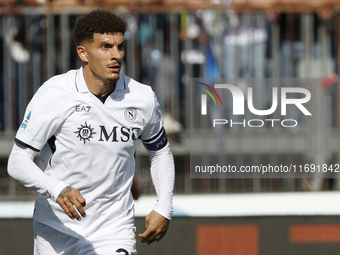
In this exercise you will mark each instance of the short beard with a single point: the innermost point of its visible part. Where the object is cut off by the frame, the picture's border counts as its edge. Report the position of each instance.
(104, 80)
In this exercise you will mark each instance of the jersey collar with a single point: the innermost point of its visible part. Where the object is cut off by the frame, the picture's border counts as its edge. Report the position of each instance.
(82, 87)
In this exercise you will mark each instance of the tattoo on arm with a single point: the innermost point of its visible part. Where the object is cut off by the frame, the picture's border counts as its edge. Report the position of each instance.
(64, 193)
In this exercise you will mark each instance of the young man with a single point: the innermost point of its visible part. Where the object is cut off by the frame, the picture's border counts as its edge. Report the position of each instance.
(85, 123)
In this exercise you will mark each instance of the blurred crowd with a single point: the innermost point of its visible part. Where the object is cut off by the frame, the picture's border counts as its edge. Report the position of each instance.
(165, 50)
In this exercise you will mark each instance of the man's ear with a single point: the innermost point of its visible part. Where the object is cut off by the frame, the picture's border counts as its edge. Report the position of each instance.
(81, 50)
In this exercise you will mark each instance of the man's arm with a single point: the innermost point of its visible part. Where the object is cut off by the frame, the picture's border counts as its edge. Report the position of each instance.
(21, 167)
(163, 177)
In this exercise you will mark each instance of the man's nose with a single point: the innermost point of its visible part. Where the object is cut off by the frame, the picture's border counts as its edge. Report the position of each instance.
(115, 53)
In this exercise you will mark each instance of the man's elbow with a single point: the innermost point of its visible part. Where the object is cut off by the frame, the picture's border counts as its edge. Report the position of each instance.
(11, 165)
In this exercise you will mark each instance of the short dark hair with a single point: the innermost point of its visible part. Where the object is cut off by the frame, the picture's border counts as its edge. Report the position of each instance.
(98, 21)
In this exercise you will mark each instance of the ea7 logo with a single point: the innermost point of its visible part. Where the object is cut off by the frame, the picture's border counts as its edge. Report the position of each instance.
(83, 108)
(238, 100)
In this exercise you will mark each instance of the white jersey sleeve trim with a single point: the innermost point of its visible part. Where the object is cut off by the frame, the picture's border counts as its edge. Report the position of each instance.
(22, 168)
(163, 179)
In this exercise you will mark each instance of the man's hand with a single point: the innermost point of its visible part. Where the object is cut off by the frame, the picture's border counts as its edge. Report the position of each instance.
(70, 198)
(156, 226)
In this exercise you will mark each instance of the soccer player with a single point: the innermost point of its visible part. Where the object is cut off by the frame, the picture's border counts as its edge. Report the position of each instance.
(85, 123)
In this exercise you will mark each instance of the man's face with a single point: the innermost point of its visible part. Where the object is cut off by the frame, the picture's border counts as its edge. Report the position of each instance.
(104, 55)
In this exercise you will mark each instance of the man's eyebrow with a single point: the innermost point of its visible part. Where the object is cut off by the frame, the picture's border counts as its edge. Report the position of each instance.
(105, 43)
(108, 43)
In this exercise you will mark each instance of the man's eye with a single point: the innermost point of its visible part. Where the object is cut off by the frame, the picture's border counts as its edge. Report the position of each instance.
(121, 47)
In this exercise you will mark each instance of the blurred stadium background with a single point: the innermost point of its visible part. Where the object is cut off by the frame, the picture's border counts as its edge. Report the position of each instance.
(169, 42)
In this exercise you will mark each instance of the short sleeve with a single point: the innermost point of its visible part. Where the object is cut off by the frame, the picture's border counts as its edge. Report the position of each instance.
(41, 120)
(153, 136)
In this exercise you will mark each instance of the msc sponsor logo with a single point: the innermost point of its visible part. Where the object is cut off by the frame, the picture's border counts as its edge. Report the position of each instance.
(104, 134)
(85, 132)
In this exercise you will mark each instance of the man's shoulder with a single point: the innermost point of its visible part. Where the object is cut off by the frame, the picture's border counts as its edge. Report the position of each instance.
(57, 87)
(61, 81)
(137, 87)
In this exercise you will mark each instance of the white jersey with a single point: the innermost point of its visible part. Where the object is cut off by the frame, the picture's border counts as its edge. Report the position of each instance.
(90, 146)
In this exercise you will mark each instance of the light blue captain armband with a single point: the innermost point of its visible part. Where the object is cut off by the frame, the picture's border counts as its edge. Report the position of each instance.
(158, 142)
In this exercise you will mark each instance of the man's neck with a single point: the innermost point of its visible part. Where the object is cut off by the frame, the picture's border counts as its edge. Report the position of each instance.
(96, 85)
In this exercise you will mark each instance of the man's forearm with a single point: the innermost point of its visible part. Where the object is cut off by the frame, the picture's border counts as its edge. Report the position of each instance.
(22, 168)
(163, 177)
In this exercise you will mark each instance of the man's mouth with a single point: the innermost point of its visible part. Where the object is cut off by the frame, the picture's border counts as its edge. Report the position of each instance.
(114, 68)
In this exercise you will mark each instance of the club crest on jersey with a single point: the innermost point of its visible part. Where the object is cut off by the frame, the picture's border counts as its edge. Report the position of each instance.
(85, 132)
(130, 114)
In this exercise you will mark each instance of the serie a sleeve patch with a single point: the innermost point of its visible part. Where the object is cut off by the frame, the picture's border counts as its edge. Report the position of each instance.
(156, 143)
